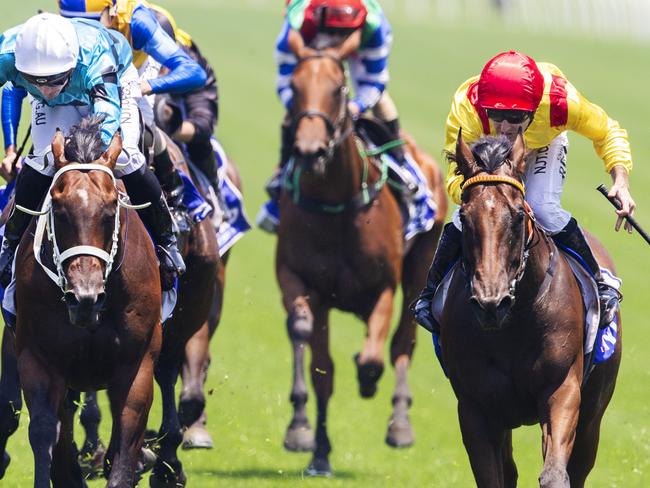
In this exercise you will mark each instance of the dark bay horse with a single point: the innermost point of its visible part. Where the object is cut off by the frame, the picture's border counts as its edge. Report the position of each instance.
(512, 330)
(196, 291)
(106, 334)
(197, 352)
(340, 245)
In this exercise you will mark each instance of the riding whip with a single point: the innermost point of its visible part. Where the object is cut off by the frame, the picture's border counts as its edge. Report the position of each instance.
(617, 205)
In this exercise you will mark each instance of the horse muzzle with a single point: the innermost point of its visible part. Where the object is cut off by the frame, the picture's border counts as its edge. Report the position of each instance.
(84, 309)
(491, 312)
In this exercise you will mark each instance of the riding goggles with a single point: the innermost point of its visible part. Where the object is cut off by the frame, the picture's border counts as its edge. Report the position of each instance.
(511, 116)
(58, 79)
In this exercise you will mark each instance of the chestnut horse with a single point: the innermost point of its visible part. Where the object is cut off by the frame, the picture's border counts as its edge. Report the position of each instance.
(340, 245)
(106, 334)
(512, 330)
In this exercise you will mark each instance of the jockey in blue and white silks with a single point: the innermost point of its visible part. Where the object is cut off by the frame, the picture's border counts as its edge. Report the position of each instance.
(368, 64)
(72, 69)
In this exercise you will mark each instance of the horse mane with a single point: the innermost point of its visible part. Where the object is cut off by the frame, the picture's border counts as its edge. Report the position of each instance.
(84, 142)
(491, 152)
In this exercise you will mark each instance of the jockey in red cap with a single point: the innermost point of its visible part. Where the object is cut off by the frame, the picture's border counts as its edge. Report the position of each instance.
(512, 94)
(321, 24)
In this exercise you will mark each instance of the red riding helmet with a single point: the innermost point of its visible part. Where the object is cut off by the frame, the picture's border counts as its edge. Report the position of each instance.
(337, 14)
(510, 81)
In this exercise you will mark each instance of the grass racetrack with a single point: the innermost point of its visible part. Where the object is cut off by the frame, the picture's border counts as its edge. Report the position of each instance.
(249, 380)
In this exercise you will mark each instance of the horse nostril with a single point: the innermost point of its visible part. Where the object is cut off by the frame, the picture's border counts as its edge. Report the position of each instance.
(476, 302)
(101, 298)
(71, 299)
(505, 303)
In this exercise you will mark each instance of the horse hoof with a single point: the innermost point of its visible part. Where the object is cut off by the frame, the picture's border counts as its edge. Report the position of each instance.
(196, 437)
(6, 459)
(400, 434)
(91, 461)
(319, 467)
(299, 438)
(147, 460)
(368, 375)
(190, 410)
(168, 479)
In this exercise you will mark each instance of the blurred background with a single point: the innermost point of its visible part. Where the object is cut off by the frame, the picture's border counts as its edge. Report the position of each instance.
(603, 48)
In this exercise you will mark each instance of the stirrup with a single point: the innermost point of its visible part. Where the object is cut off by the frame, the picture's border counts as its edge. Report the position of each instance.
(609, 300)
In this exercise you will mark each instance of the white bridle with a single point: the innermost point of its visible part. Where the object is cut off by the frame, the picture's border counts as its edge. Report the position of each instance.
(46, 223)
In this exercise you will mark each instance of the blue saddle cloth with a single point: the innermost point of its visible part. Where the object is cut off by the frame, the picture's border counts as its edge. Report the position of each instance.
(420, 212)
(234, 223)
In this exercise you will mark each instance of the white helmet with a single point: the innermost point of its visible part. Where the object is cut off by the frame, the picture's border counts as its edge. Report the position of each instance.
(46, 45)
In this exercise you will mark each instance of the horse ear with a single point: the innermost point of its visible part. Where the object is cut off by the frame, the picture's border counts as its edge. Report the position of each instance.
(58, 146)
(114, 149)
(518, 153)
(464, 157)
(350, 45)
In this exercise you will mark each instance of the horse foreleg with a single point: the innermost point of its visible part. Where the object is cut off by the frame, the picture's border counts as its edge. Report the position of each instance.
(322, 376)
(168, 470)
(299, 436)
(559, 411)
(66, 472)
(10, 397)
(130, 404)
(485, 444)
(370, 361)
(44, 391)
(191, 409)
(195, 365)
(91, 456)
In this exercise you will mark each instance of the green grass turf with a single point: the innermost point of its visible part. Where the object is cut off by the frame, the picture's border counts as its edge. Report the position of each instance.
(249, 379)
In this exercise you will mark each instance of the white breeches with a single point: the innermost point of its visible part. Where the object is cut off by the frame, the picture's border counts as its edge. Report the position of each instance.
(45, 121)
(148, 71)
(544, 184)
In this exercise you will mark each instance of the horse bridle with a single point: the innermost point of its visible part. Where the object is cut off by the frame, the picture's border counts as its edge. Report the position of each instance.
(46, 222)
(334, 128)
(528, 235)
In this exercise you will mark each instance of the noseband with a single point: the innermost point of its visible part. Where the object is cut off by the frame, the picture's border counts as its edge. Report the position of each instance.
(334, 128)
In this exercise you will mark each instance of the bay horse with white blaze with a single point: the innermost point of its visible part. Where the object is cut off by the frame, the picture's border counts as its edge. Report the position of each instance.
(106, 334)
(340, 245)
(512, 330)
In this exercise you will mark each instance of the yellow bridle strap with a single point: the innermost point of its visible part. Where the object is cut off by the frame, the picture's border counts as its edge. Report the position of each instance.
(494, 179)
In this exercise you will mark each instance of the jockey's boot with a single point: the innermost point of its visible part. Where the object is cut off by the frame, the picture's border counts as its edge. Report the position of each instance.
(571, 237)
(170, 179)
(30, 188)
(268, 217)
(142, 187)
(173, 188)
(448, 252)
(407, 182)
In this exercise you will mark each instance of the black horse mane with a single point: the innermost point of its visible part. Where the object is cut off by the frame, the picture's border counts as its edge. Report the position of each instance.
(84, 142)
(491, 152)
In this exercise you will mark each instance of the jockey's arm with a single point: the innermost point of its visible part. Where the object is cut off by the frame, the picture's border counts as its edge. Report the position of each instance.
(462, 114)
(184, 73)
(372, 75)
(612, 146)
(104, 92)
(286, 60)
(12, 101)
